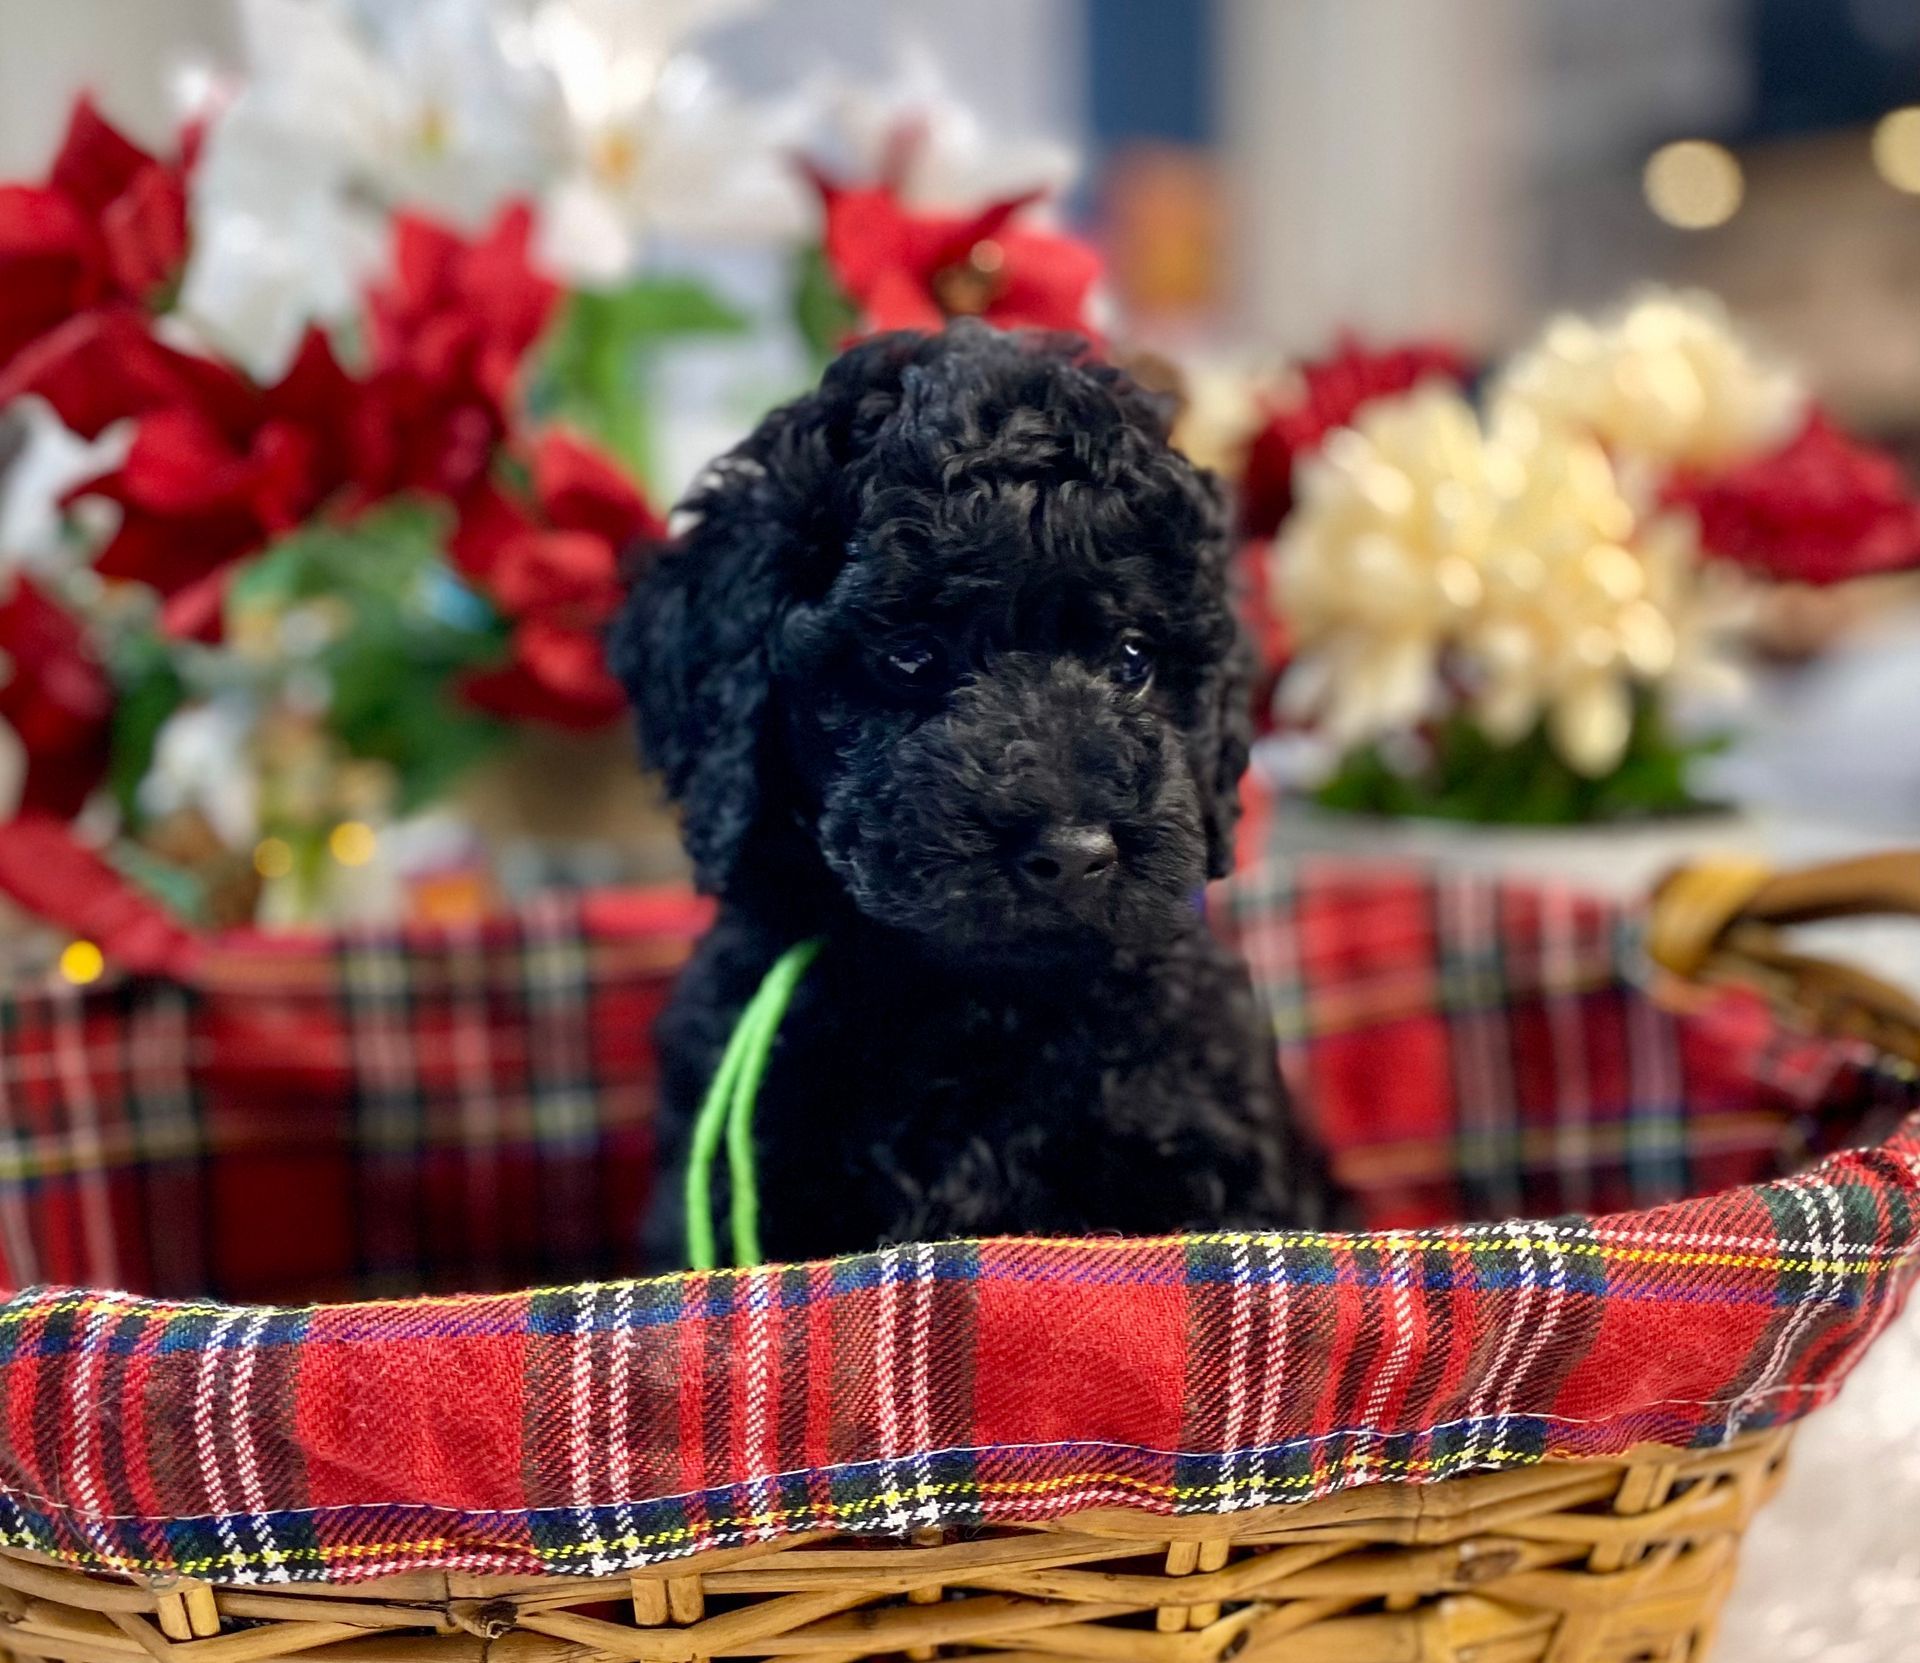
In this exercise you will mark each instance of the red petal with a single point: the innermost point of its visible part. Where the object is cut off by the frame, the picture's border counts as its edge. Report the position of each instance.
(1045, 282)
(1821, 509)
(146, 233)
(897, 300)
(102, 366)
(48, 871)
(199, 611)
(498, 279)
(558, 676)
(283, 484)
(96, 161)
(51, 266)
(866, 235)
(57, 698)
(318, 397)
(41, 223)
(582, 489)
(170, 552)
(451, 454)
(315, 389)
(423, 255)
(451, 298)
(182, 464)
(570, 572)
(488, 520)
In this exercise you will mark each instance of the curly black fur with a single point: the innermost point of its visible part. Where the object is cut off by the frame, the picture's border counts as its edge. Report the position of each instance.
(933, 630)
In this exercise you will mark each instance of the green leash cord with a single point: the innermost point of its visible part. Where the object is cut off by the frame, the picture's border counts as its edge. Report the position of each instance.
(727, 1110)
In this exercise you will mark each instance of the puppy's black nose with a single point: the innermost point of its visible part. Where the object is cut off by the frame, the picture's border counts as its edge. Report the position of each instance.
(1070, 859)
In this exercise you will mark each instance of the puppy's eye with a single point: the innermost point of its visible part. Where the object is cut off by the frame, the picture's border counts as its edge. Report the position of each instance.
(1131, 666)
(910, 664)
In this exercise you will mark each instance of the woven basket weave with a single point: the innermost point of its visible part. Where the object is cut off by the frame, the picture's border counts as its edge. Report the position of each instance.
(816, 1462)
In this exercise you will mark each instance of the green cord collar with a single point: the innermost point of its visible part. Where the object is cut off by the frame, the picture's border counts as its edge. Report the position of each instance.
(727, 1111)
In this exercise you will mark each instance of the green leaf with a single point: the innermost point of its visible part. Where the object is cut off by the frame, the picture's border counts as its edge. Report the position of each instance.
(597, 364)
(1468, 777)
(822, 310)
(660, 307)
(150, 689)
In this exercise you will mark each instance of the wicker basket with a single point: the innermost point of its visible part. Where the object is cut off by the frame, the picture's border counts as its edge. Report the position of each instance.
(1617, 1557)
(1574, 1562)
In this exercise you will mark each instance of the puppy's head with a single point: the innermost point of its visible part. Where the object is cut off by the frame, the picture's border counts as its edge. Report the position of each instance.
(952, 636)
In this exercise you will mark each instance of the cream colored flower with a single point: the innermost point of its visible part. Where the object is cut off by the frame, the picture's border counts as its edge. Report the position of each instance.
(1668, 381)
(1378, 567)
(1429, 561)
(1583, 602)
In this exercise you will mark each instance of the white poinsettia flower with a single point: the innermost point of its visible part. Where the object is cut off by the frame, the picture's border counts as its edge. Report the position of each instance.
(912, 128)
(433, 106)
(278, 242)
(653, 143)
(1668, 380)
(50, 460)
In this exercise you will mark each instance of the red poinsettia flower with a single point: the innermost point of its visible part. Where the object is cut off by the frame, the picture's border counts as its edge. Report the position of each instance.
(552, 566)
(449, 335)
(1332, 392)
(57, 698)
(108, 228)
(1821, 509)
(101, 367)
(909, 270)
(217, 466)
(223, 468)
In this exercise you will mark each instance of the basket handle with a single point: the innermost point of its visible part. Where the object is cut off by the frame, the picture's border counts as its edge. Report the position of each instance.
(1720, 921)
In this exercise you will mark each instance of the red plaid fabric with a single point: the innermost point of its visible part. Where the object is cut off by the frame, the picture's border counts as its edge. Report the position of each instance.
(1471, 1048)
(326, 1116)
(1466, 1043)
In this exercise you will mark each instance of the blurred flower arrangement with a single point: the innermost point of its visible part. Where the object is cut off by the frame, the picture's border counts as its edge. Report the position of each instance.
(1489, 608)
(329, 427)
(287, 607)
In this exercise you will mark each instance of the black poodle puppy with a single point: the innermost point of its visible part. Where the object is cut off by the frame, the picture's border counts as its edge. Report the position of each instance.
(943, 670)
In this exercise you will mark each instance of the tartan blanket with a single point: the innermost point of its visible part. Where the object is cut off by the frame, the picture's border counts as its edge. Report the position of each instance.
(326, 1116)
(373, 1108)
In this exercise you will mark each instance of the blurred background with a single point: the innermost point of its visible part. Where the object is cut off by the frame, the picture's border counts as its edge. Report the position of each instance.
(1257, 173)
(1566, 352)
(344, 344)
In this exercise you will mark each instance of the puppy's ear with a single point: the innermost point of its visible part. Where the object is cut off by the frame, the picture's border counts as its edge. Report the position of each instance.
(1224, 740)
(693, 643)
(1228, 741)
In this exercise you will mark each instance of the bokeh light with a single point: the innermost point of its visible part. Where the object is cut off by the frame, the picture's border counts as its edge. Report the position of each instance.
(1694, 184)
(1896, 149)
(273, 857)
(352, 843)
(82, 962)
